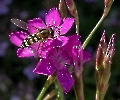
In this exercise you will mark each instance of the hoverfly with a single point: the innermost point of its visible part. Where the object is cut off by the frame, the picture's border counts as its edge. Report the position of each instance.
(42, 34)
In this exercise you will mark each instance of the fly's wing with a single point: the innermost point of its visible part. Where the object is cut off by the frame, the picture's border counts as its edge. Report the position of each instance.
(19, 23)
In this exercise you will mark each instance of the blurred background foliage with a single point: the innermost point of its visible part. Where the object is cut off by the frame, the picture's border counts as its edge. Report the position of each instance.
(18, 82)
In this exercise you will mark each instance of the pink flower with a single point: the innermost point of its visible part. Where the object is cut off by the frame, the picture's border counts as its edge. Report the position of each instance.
(79, 56)
(59, 61)
(53, 21)
(56, 62)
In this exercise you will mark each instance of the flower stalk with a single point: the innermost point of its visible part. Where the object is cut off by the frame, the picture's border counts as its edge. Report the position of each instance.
(79, 92)
(60, 94)
(80, 57)
(50, 95)
(48, 82)
(107, 7)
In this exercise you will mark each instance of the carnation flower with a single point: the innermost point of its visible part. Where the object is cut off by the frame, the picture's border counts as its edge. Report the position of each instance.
(56, 62)
(59, 61)
(53, 21)
(80, 56)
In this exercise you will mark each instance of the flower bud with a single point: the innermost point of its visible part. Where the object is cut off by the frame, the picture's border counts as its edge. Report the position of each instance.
(103, 62)
(62, 9)
(105, 52)
(102, 47)
(73, 10)
(107, 2)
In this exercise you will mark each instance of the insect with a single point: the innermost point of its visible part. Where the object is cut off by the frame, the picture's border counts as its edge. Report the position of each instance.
(40, 35)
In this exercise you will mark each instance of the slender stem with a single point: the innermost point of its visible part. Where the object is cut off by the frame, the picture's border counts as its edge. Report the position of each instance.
(100, 94)
(77, 23)
(105, 13)
(92, 32)
(102, 79)
(50, 95)
(79, 92)
(59, 91)
(48, 82)
(97, 95)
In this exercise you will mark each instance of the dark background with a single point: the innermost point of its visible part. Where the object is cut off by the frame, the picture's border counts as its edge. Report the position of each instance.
(18, 82)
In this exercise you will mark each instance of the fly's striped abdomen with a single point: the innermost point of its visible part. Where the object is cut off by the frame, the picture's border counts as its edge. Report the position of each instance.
(36, 37)
(31, 39)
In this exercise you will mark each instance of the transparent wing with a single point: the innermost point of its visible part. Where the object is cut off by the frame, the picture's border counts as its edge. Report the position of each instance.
(19, 23)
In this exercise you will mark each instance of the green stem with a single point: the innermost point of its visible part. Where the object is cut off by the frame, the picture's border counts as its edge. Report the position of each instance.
(100, 94)
(102, 78)
(48, 82)
(59, 91)
(92, 32)
(105, 13)
(97, 94)
(50, 95)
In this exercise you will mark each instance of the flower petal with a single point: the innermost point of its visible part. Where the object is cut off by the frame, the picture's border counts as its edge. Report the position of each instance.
(59, 58)
(17, 37)
(41, 48)
(35, 24)
(64, 40)
(44, 67)
(56, 43)
(65, 78)
(86, 56)
(66, 25)
(53, 18)
(26, 52)
(73, 41)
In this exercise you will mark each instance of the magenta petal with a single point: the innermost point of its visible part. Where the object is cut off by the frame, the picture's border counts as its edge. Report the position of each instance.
(64, 39)
(41, 48)
(31, 29)
(44, 67)
(86, 56)
(37, 48)
(35, 24)
(26, 52)
(65, 78)
(58, 57)
(73, 41)
(66, 25)
(56, 43)
(17, 37)
(53, 17)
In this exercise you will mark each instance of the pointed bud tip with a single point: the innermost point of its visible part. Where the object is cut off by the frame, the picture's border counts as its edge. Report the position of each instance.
(108, 2)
